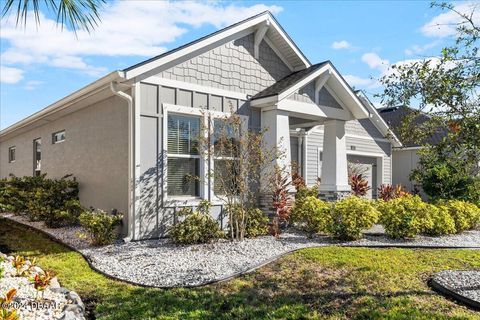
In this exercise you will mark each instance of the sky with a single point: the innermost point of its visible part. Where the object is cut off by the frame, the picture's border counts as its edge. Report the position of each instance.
(42, 64)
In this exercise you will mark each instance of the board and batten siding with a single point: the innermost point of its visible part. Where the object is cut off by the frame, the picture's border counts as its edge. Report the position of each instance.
(154, 216)
(361, 144)
(95, 151)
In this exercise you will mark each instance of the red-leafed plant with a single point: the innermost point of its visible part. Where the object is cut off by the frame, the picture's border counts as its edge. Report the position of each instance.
(387, 192)
(297, 179)
(282, 201)
(6, 312)
(42, 281)
(359, 185)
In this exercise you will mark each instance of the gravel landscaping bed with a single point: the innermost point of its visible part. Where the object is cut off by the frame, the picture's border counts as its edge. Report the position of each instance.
(54, 302)
(462, 285)
(159, 263)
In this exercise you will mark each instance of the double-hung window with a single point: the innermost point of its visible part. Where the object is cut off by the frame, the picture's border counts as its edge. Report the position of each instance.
(183, 163)
(226, 163)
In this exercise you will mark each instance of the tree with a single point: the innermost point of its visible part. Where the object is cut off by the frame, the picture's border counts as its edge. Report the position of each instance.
(446, 89)
(77, 14)
(238, 158)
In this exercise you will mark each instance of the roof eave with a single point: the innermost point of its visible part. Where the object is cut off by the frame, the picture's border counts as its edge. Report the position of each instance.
(106, 80)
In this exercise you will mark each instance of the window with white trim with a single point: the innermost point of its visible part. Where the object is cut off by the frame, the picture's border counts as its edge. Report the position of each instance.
(58, 137)
(225, 156)
(183, 163)
(11, 154)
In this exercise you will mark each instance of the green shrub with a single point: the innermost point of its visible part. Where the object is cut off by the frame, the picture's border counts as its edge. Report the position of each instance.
(312, 215)
(100, 225)
(38, 197)
(443, 222)
(466, 215)
(405, 217)
(350, 216)
(197, 227)
(256, 224)
(302, 194)
(67, 216)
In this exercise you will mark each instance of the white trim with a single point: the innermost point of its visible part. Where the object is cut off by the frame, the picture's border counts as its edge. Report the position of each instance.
(194, 87)
(206, 181)
(75, 97)
(380, 123)
(277, 52)
(258, 37)
(407, 149)
(311, 110)
(319, 83)
(354, 136)
(247, 27)
(295, 87)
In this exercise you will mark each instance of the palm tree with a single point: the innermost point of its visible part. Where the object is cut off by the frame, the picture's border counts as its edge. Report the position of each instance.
(77, 14)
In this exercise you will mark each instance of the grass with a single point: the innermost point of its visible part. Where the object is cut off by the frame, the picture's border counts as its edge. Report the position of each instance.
(326, 283)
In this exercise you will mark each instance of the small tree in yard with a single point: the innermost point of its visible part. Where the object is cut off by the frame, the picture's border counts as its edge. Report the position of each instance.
(238, 161)
(446, 89)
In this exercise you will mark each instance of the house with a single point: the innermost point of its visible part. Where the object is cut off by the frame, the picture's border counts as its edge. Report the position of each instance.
(123, 135)
(405, 158)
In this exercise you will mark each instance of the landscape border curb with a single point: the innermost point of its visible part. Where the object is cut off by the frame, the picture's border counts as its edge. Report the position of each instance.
(231, 276)
(451, 293)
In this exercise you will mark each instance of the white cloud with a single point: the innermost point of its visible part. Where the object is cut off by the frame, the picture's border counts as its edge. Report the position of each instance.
(343, 44)
(32, 84)
(359, 82)
(417, 49)
(374, 61)
(127, 28)
(10, 75)
(445, 24)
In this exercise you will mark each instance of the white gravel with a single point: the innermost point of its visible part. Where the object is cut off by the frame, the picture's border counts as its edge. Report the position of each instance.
(159, 263)
(463, 282)
(52, 303)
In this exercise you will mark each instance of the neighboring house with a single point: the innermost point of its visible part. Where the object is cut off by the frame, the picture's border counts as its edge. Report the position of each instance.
(406, 158)
(126, 136)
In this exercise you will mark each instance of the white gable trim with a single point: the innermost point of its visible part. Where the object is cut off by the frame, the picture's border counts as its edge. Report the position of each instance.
(380, 124)
(342, 92)
(234, 32)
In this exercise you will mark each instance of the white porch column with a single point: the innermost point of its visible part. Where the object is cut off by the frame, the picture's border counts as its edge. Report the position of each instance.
(334, 164)
(277, 136)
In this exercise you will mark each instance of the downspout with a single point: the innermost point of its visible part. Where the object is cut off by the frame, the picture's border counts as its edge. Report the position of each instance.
(131, 182)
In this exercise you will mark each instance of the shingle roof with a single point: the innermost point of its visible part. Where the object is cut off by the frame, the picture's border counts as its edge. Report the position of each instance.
(290, 80)
(394, 116)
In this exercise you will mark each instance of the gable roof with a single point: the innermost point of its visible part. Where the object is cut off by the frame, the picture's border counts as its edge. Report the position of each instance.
(275, 34)
(287, 82)
(296, 80)
(378, 121)
(394, 116)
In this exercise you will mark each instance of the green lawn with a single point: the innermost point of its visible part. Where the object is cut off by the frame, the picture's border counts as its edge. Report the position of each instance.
(327, 283)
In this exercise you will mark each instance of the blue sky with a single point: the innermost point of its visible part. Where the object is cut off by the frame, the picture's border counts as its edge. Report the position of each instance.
(361, 38)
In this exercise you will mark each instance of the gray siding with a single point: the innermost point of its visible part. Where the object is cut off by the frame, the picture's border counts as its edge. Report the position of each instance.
(232, 67)
(404, 161)
(95, 151)
(315, 141)
(307, 94)
(363, 127)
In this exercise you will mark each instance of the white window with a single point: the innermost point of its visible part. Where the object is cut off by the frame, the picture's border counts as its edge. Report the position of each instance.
(58, 136)
(225, 156)
(37, 157)
(183, 163)
(11, 154)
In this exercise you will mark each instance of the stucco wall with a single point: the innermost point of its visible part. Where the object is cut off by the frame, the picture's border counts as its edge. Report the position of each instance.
(95, 151)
